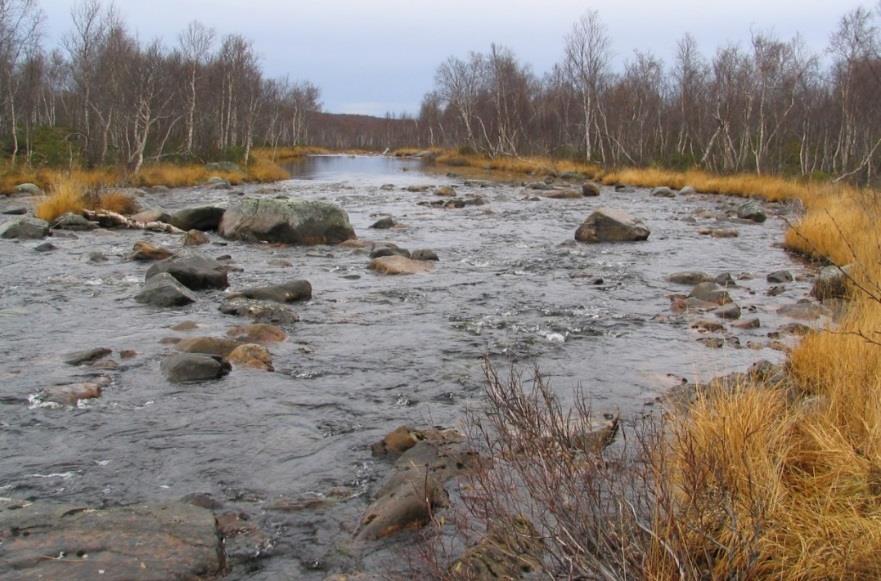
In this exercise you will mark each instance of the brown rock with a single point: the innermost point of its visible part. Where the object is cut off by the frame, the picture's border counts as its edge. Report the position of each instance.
(185, 326)
(748, 324)
(252, 356)
(71, 394)
(257, 333)
(400, 265)
(195, 238)
(397, 442)
(143, 250)
(719, 232)
(606, 225)
(208, 345)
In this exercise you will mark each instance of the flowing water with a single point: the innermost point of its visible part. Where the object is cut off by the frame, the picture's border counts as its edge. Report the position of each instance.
(370, 352)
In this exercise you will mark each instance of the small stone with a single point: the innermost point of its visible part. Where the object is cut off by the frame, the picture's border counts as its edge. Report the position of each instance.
(663, 193)
(748, 324)
(424, 255)
(384, 223)
(590, 190)
(45, 247)
(195, 238)
(163, 290)
(780, 277)
(217, 346)
(188, 367)
(89, 356)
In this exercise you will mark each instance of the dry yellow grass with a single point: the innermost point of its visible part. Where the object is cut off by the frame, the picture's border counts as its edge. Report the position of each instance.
(66, 195)
(118, 202)
(287, 153)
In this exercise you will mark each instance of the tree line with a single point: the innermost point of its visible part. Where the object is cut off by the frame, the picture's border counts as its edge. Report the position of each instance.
(105, 97)
(769, 106)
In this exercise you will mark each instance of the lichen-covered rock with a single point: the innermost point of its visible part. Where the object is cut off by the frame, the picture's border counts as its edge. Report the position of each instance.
(199, 218)
(26, 228)
(752, 210)
(288, 221)
(606, 225)
(252, 356)
(194, 271)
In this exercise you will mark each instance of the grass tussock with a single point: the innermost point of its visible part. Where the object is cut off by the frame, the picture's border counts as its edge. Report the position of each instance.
(66, 195)
(281, 154)
(118, 202)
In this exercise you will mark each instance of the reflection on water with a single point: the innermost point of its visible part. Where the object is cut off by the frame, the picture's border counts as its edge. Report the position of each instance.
(369, 353)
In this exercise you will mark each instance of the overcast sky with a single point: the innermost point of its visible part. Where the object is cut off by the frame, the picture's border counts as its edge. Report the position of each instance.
(374, 56)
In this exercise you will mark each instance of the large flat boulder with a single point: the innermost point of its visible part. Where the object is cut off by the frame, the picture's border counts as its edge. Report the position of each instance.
(606, 225)
(25, 229)
(287, 221)
(198, 218)
(163, 290)
(44, 540)
(194, 271)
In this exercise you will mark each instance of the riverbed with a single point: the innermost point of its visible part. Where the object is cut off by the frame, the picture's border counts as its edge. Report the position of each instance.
(370, 352)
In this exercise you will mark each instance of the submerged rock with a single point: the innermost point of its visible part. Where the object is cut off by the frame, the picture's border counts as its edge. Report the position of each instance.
(44, 540)
(88, 356)
(690, 278)
(384, 223)
(261, 333)
(252, 356)
(217, 346)
(606, 225)
(287, 221)
(187, 367)
(198, 218)
(259, 311)
(26, 228)
(400, 265)
(70, 395)
(163, 290)
(194, 271)
(289, 292)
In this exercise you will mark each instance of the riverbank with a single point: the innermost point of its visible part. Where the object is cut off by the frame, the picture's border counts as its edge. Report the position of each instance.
(780, 479)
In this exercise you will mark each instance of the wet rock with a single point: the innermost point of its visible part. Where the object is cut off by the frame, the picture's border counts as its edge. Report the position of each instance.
(74, 222)
(687, 191)
(445, 191)
(725, 280)
(387, 187)
(252, 356)
(259, 311)
(97, 256)
(146, 251)
(194, 271)
(128, 354)
(243, 541)
(287, 221)
(512, 549)
(611, 226)
(708, 326)
(780, 277)
(710, 292)
(719, 232)
(185, 326)
(831, 283)
(388, 249)
(152, 215)
(261, 333)
(663, 193)
(689, 278)
(424, 254)
(540, 186)
(217, 346)
(397, 442)
(459, 203)
(417, 189)
(29, 189)
(187, 367)
(202, 500)
(797, 329)
(88, 356)
(69, 395)
(26, 228)
(751, 210)
(563, 195)
(198, 218)
(43, 540)
(776, 291)
(45, 247)
(590, 189)
(289, 292)
(803, 311)
(712, 342)
(195, 238)
(15, 211)
(728, 311)
(748, 324)
(400, 265)
(163, 290)
(384, 223)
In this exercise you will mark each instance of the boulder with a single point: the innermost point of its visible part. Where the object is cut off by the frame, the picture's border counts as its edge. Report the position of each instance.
(88, 356)
(261, 333)
(24, 229)
(590, 190)
(163, 290)
(45, 247)
(195, 238)
(710, 292)
(663, 193)
(152, 215)
(831, 283)
(400, 265)
(690, 278)
(384, 223)
(46, 540)
(289, 292)
(251, 356)
(187, 367)
(198, 218)
(388, 249)
(71, 221)
(780, 277)
(29, 189)
(259, 311)
(752, 210)
(146, 251)
(217, 346)
(424, 254)
(611, 226)
(194, 271)
(728, 311)
(288, 221)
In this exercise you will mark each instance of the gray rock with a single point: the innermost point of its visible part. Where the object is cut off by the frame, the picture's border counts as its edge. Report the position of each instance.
(289, 292)
(88, 356)
(97, 256)
(424, 254)
(75, 222)
(45, 247)
(728, 311)
(725, 280)
(199, 218)
(663, 193)
(163, 290)
(24, 229)
(831, 283)
(689, 278)
(259, 312)
(152, 215)
(384, 223)
(606, 225)
(288, 221)
(710, 292)
(751, 210)
(187, 367)
(780, 277)
(16, 211)
(28, 188)
(389, 250)
(622, 189)
(45, 540)
(803, 311)
(687, 191)
(194, 271)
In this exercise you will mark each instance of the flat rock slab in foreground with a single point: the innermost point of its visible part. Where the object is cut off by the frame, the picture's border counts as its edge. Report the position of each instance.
(44, 540)
(611, 226)
(286, 221)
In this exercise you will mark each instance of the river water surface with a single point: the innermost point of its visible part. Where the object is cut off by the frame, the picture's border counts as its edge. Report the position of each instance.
(370, 352)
